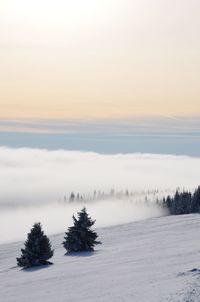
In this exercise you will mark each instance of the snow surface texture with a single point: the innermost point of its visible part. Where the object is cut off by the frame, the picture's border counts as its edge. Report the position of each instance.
(152, 260)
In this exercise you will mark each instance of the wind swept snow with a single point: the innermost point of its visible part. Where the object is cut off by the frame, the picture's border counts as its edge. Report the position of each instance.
(146, 261)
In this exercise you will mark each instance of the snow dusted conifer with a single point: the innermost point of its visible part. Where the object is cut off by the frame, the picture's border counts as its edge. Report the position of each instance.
(195, 204)
(80, 237)
(37, 249)
(72, 196)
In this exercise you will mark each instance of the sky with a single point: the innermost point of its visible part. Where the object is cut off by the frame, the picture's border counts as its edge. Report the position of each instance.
(107, 77)
(99, 60)
(180, 136)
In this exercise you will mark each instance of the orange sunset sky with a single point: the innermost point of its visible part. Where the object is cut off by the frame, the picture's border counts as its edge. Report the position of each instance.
(99, 59)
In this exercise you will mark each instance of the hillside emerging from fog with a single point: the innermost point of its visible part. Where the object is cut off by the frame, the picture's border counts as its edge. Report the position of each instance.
(153, 260)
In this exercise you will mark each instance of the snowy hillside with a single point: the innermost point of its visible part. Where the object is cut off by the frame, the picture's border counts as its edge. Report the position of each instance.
(146, 261)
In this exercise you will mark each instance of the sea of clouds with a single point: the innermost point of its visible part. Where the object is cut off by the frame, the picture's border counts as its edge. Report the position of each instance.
(33, 183)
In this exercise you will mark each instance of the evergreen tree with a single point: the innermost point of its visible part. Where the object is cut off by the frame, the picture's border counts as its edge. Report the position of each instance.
(183, 203)
(80, 237)
(175, 203)
(195, 207)
(72, 196)
(37, 249)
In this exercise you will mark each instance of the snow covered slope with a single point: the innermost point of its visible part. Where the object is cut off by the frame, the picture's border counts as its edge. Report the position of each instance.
(146, 261)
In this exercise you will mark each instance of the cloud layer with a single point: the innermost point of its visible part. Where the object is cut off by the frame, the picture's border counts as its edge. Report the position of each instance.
(34, 183)
(42, 176)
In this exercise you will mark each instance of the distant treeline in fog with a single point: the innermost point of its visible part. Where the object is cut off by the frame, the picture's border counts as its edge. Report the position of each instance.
(176, 203)
(183, 202)
(137, 196)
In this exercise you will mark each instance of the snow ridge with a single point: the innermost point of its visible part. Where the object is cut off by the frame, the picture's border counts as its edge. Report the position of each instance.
(148, 261)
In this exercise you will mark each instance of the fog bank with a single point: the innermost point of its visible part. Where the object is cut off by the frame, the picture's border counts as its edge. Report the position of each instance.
(34, 183)
(56, 218)
(42, 176)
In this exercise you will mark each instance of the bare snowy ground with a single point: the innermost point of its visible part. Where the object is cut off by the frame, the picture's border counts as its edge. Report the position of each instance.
(146, 261)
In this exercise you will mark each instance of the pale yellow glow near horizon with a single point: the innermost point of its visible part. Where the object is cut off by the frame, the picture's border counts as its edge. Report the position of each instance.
(99, 59)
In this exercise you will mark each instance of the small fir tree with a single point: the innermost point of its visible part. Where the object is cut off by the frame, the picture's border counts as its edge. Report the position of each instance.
(37, 249)
(195, 206)
(72, 196)
(80, 237)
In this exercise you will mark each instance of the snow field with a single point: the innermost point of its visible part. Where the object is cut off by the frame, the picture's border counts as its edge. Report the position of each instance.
(143, 261)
